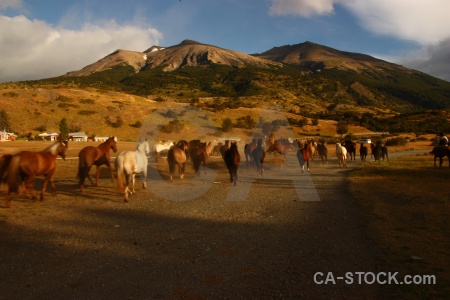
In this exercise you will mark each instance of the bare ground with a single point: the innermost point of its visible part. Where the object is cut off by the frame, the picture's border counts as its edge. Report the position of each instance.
(227, 242)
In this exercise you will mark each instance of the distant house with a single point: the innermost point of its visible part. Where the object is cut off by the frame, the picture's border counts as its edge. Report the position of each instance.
(102, 138)
(7, 136)
(78, 137)
(49, 136)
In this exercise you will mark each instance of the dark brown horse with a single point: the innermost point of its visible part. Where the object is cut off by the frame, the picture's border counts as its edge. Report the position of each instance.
(98, 156)
(29, 164)
(351, 149)
(258, 155)
(224, 148)
(198, 155)
(323, 152)
(177, 157)
(232, 159)
(248, 149)
(440, 152)
(363, 152)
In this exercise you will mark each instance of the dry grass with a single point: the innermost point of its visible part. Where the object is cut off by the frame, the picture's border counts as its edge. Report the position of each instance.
(406, 207)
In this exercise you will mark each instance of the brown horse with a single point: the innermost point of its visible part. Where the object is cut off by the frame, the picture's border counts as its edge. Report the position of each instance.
(98, 156)
(4, 163)
(303, 157)
(232, 159)
(216, 149)
(440, 152)
(29, 164)
(311, 149)
(177, 156)
(280, 148)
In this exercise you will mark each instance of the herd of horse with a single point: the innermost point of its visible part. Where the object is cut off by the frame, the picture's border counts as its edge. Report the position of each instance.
(24, 166)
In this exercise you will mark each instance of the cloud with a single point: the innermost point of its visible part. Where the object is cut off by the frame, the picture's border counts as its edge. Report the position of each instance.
(435, 60)
(34, 49)
(421, 21)
(302, 8)
(4, 4)
(424, 22)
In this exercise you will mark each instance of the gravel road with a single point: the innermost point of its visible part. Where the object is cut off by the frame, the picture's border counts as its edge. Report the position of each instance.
(198, 239)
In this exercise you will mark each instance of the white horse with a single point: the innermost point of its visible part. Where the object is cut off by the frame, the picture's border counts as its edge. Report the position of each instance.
(130, 163)
(341, 154)
(160, 148)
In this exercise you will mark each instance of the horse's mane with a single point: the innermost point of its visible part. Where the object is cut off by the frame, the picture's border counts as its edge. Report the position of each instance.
(53, 148)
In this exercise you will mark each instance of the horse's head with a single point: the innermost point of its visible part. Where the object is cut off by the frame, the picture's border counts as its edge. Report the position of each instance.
(62, 150)
(113, 144)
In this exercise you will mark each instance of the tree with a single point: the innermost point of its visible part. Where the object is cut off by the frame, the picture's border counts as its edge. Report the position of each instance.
(4, 121)
(342, 128)
(63, 129)
(227, 125)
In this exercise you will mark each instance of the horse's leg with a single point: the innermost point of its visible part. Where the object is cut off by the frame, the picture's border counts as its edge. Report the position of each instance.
(87, 170)
(24, 188)
(48, 178)
(111, 171)
(97, 175)
(133, 181)
(204, 165)
(181, 170)
(30, 183)
(144, 178)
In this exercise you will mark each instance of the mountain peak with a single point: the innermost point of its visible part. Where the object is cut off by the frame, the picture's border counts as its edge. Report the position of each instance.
(189, 42)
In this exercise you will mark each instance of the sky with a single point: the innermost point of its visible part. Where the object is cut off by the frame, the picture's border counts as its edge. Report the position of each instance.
(47, 38)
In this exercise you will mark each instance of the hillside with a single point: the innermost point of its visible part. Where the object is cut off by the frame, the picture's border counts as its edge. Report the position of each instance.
(307, 80)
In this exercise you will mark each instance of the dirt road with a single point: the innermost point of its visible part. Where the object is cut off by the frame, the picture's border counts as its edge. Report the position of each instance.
(202, 238)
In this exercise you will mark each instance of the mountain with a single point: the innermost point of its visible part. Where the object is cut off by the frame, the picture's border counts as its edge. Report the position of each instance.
(307, 80)
(187, 53)
(306, 77)
(316, 57)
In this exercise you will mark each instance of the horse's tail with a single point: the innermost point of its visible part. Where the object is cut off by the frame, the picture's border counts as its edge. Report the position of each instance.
(4, 163)
(13, 174)
(82, 170)
(118, 162)
(171, 161)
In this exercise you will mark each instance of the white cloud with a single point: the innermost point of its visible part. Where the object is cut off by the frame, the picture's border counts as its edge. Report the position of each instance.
(422, 21)
(303, 8)
(33, 49)
(4, 4)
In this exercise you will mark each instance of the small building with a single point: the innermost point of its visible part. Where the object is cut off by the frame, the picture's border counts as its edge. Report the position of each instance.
(7, 136)
(78, 137)
(49, 136)
(103, 138)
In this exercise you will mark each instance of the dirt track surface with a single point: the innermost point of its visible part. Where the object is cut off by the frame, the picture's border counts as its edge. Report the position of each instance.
(263, 239)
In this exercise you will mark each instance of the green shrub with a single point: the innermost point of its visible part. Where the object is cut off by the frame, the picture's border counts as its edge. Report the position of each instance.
(398, 141)
(173, 126)
(87, 101)
(87, 112)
